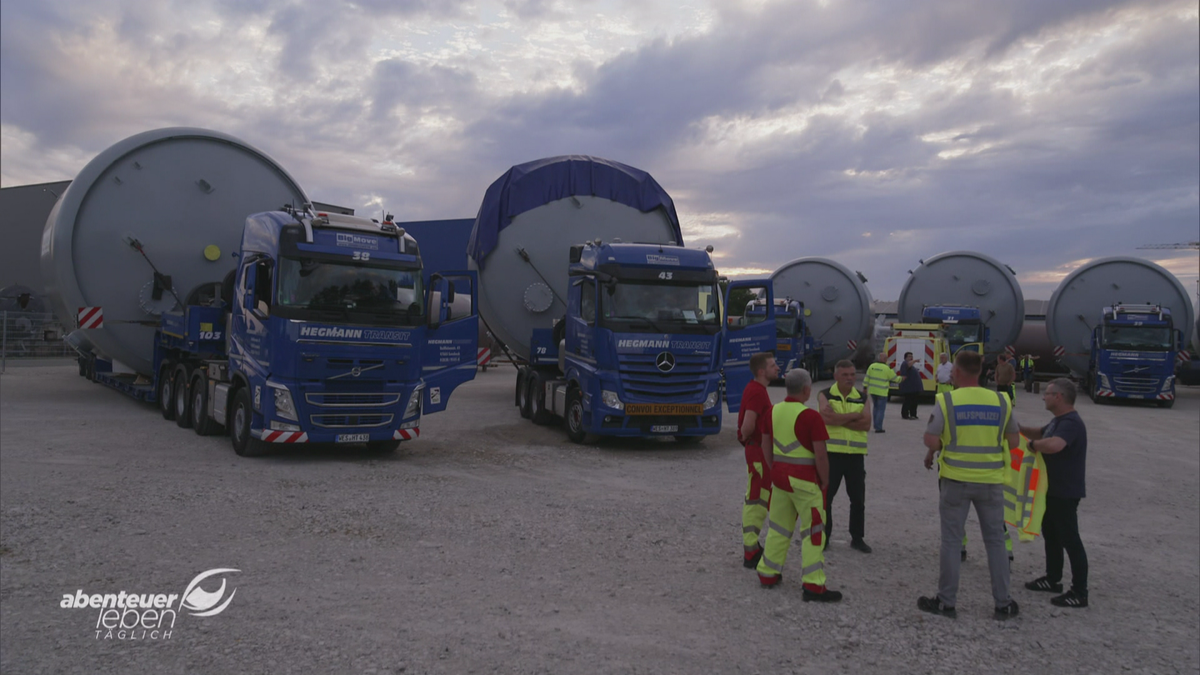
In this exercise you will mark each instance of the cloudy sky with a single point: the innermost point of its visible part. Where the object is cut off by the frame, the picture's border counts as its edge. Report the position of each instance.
(872, 132)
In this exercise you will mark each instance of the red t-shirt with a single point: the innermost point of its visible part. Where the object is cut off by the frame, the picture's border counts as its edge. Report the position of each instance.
(754, 397)
(809, 427)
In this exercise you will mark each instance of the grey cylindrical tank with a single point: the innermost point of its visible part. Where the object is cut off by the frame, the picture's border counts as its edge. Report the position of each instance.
(1035, 340)
(516, 296)
(837, 299)
(1077, 303)
(177, 191)
(967, 279)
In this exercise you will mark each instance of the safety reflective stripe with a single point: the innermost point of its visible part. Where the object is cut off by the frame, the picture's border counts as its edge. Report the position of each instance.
(839, 441)
(757, 502)
(780, 529)
(750, 528)
(976, 450)
(815, 567)
(964, 464)
(785, 449)
(803, 461)
(767, 561)
(819, 527)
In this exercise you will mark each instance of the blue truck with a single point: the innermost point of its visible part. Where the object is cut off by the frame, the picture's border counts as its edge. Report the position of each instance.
(962, 326)
(1134, 348)
(325, 332)
(619, 329)
(795, 345)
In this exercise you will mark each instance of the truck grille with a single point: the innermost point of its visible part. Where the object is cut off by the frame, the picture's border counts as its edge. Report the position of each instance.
(346, 421)
(1137, 385)
(350, 399)
(643, 380)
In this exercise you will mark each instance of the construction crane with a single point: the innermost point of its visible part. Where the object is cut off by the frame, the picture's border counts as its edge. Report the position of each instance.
(1185, 244)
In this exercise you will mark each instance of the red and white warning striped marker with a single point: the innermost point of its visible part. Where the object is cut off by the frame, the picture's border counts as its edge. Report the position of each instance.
(928, 366)
(284, 437)
(90, 317)
(1183, 356)
(1010, 350)
(1060, 350)
(406, 434)
(483, 356)
(852, 345)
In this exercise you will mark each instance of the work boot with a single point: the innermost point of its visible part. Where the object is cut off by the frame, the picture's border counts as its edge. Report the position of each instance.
(1007, 612)
(935, 605)
(752, 562)
(860, 545)
(822, 596)
(770, 581)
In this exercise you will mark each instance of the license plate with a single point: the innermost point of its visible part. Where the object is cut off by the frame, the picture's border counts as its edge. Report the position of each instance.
(664, 409)
(664, 428)
(353, 438)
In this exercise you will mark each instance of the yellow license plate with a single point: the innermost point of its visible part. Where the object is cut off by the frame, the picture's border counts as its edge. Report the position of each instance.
(664, 409)
(783, 347)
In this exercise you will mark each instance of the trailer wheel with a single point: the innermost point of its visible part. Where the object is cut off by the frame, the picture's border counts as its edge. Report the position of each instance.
(574, 418)
(241, 413)
(202, 423)
(166, 402)
(179, 391)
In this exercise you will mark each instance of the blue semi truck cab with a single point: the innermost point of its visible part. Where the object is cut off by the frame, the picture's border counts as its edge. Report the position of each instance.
(963, 326)
(795, 345)
(1133, 354)
(644, 348)
(324, 332)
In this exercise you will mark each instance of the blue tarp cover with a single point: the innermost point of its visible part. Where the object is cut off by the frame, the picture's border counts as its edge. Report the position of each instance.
(528, 186)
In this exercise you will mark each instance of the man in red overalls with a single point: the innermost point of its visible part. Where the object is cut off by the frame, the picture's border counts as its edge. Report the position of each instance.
(752, 416)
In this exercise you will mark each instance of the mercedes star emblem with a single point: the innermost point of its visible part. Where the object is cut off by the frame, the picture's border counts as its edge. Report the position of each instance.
(665, 362)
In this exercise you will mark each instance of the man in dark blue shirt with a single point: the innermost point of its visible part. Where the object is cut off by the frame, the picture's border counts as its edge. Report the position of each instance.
(1063, 444)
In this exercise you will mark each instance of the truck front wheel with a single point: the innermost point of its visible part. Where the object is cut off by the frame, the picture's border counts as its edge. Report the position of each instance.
(574, 418)
(179, 391)
(240, 415)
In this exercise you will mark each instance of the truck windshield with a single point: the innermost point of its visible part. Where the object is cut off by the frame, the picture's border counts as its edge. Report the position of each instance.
(962, 333)
(317, 289)
(1138, 338)
(661, 308)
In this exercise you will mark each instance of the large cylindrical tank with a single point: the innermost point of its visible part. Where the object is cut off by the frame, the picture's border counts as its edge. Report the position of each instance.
(1034, 340)
(836, 300)
(184, 194)
(530, 218)
(967, 279)
(1078, 302)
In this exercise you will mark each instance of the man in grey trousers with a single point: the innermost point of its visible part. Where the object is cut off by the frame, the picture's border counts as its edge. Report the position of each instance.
(971, 427)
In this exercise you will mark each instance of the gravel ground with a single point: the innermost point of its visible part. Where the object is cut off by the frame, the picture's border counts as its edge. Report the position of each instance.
(494, 546)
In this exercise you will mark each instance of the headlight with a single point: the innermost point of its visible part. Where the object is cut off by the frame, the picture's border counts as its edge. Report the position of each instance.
(283, 426)
(712, 400)
(611, 400)
(283, 404)
(414, 402)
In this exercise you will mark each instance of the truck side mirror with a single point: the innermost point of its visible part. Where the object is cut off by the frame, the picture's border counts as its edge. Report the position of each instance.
(248, 301)
(449, 292)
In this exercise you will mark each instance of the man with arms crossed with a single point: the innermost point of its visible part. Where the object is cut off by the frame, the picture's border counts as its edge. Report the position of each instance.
(847, 415)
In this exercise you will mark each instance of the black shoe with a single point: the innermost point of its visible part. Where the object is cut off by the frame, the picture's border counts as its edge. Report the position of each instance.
(1045, 585)
(1007, 612)
(964, 555)
(879, 431)
(934, 605)
(824, 596)
(752, 563)
(860, 545)
(1070, 599)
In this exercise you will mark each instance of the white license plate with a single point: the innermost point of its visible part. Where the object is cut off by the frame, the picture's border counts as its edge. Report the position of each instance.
(353, 438)
(664, 428)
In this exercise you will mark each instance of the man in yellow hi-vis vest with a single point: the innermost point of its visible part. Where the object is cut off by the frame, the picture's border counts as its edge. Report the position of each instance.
(847, 415)
(972, 428)
(879, 379)
(800, 472)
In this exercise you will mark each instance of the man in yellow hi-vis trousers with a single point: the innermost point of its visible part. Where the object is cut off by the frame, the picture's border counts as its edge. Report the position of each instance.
(800, 473)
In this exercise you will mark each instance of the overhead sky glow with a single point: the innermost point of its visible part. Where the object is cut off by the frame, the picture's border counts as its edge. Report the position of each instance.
(875, 133)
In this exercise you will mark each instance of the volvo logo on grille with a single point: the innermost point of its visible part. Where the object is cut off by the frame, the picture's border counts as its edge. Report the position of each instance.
(665, 362)
(355, 371)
